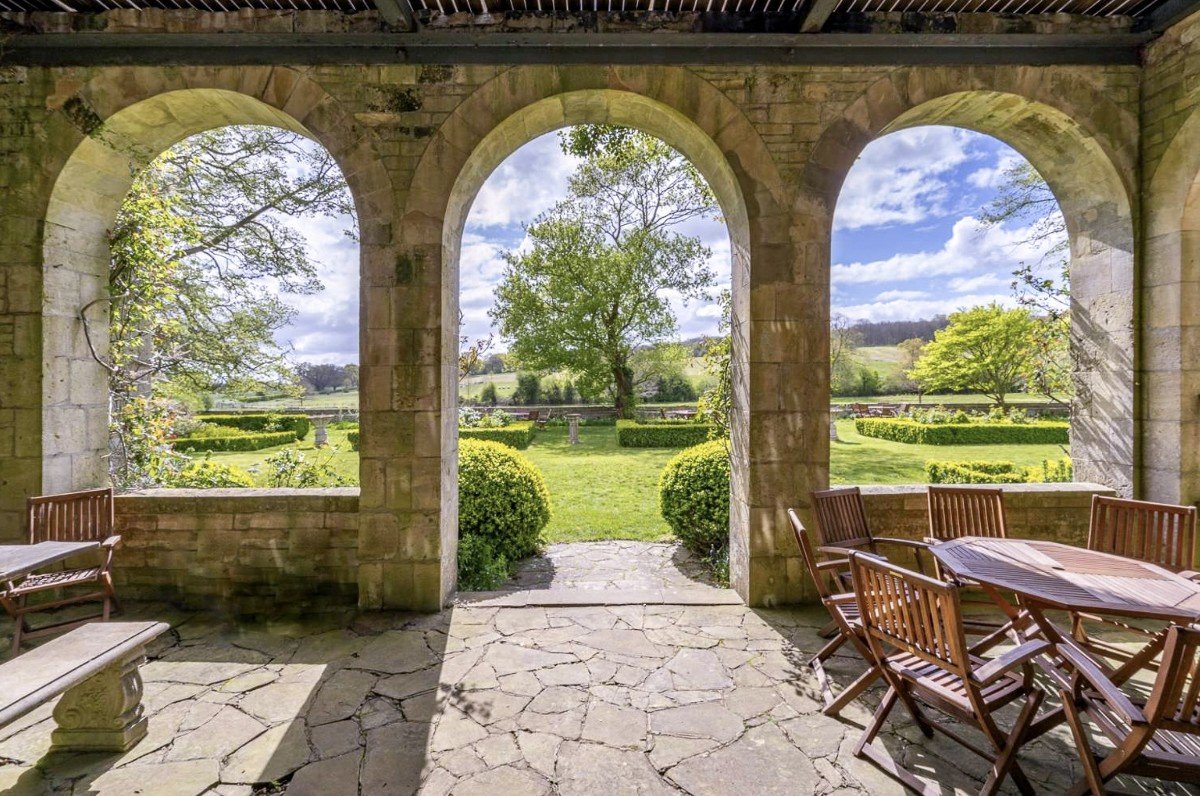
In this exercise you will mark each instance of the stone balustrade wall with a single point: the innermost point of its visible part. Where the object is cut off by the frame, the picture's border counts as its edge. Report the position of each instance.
(243, 551)
(284, 551)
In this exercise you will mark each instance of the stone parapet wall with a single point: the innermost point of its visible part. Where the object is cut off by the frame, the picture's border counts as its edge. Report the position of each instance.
(1057, 512)
(242, 551)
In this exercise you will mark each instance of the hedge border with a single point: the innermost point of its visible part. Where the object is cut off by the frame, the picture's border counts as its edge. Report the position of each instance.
(298, 425)
(241, 442)
(353, 437)
(515, 435)
(911, 432)
(633, 434)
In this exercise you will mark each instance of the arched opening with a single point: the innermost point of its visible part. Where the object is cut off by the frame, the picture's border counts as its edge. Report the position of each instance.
(594, 365)
(621, 109)
(950, 308)
(83, 206)
(1094, 199)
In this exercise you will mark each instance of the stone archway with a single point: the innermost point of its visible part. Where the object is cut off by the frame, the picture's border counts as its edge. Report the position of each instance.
(115, 136)
(690, 115)
(1090, 177)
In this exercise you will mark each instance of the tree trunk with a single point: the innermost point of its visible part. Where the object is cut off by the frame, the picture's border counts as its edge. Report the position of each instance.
(623, 388)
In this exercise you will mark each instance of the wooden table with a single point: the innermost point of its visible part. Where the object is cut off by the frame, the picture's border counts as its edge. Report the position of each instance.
(1049, 575)
(17, 560)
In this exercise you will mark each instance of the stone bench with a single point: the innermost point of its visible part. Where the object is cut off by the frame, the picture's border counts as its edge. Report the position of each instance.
(95, 668)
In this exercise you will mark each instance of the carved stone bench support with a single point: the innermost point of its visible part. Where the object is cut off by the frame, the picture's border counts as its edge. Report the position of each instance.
(103, 713)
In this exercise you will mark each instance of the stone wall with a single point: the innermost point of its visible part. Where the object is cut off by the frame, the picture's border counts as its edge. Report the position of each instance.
(413, 140)
(243, 551)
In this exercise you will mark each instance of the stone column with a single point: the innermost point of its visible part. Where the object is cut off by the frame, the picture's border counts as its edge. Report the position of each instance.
(103, 713)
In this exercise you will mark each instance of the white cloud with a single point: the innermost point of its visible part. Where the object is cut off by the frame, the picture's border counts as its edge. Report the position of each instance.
(972, 249)
(898, 178)
(529, 182)
(981, 282)
(993, 176)
(908, 309)
(901, 295)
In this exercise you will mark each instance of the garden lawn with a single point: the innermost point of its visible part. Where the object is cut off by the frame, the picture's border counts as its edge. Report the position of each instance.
(344, 460)
(855, 459)
(598, 490)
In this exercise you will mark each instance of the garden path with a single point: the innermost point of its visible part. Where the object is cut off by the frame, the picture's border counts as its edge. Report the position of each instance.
(613, 565)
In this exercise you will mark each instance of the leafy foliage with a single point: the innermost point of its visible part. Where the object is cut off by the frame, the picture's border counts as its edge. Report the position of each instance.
(983, 349)
(998, 472)
(716, 404)
(694, 498)
(591, 289)
(502, 499)
(141, 443)
(298, 425)
(292, 468)
(211, 475)
(353, 438)
(480, 567)
(201, 230)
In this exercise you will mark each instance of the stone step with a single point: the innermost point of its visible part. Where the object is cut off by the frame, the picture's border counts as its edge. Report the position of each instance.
(548, 598)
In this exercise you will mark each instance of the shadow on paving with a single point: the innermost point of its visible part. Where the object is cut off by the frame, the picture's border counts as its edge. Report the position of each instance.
(311, 706)
(1051, 761)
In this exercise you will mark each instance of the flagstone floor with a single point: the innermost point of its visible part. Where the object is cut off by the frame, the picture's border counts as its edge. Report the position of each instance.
(498, 700)
(613, 566)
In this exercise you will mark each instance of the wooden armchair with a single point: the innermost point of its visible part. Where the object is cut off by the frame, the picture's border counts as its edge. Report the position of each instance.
(844, 625)
(1160, 738)
(70, 517)
(1159, 533)
(914, 629)
(957, 511)
(842, 526)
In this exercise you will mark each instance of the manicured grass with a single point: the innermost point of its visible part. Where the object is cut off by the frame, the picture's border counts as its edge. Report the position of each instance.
(601, 491)
(344, 460)
(598, 490)
(855, 459)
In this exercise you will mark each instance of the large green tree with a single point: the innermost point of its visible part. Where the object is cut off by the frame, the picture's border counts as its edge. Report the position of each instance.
(1043, 285)
(983, 349)
(201, 250)
(593, 285)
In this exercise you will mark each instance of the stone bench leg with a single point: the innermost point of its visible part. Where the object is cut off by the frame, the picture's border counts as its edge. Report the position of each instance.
(104, 712)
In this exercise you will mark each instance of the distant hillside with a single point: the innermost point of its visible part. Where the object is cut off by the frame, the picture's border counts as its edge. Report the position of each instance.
(881, 333)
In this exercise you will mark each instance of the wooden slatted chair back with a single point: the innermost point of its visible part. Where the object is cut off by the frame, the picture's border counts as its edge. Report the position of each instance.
(1175, 697)
(908, 611)
(1159, 533)
(956, 511)
(809, 555)
(71, 517)
(841, 518)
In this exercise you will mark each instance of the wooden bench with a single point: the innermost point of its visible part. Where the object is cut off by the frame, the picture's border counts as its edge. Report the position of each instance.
(95, 668)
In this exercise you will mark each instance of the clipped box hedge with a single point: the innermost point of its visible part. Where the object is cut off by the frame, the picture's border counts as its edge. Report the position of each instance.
(240, 441)
(353, 438)
(1046, 432)
(974, 473)
(515, 435)
(635, 434)
(297, 425)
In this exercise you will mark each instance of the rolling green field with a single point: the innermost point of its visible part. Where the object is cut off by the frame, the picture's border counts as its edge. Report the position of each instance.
(601, 491)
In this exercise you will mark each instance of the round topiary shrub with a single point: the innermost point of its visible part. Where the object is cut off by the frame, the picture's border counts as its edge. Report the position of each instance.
(502, 498)
(694, 497)
(211, 475)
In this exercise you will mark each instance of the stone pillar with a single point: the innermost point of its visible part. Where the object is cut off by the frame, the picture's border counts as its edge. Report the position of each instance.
(573, 429)
(103, 713)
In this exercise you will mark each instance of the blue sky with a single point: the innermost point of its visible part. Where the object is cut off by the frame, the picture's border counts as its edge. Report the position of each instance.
(906, 242)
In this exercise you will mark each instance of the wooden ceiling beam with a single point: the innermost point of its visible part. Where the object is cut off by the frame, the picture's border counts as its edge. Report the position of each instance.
(818, 15)
(397, 13)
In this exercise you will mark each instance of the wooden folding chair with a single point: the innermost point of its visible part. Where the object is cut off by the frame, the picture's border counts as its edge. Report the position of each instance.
(957, 511)
(69, 517)
(843, 611)
(1159, 533)
(842, 526)
(1160, 738)
(914, 629)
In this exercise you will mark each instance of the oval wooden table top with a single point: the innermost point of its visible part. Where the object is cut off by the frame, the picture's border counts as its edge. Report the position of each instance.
(1061, 576)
